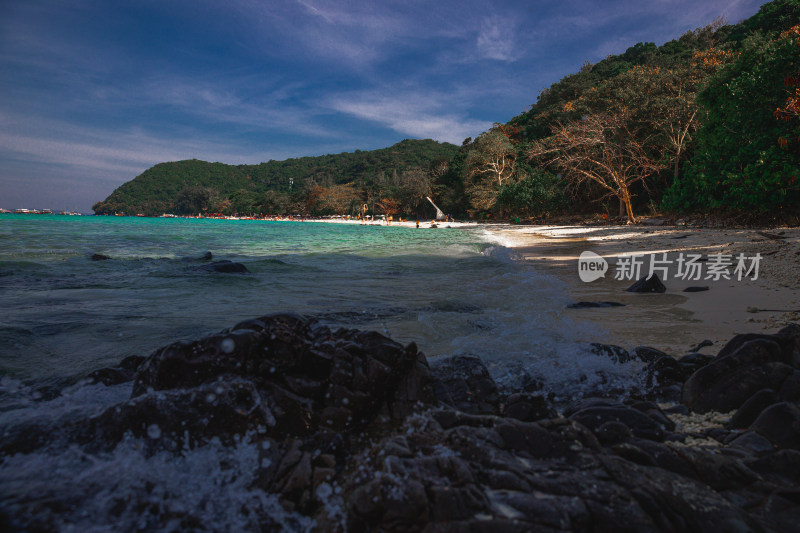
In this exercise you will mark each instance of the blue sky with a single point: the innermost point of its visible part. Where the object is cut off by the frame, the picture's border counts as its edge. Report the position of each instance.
(94, 92)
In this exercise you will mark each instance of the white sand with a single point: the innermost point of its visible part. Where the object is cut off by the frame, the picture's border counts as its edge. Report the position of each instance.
(675, 320)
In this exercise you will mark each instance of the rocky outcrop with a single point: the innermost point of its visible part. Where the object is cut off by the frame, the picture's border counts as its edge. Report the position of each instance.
(359, 433)
(746, 365)
(449, 471)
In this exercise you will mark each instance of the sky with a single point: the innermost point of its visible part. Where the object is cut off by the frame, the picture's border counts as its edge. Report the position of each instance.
(94, 92)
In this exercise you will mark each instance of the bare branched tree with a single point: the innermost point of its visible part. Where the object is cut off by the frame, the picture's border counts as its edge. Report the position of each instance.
(605, 149)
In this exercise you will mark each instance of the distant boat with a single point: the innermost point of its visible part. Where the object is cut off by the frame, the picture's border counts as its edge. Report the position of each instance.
(32, 212)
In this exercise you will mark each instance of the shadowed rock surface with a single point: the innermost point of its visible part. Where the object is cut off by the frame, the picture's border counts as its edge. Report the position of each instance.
(224, 266)
(648, 284)
(357, 433)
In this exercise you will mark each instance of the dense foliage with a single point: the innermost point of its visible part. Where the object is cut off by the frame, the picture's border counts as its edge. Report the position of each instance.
(708, 122)
(275, 187)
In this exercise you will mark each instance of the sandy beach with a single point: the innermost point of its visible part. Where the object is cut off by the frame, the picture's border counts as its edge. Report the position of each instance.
(673, 321)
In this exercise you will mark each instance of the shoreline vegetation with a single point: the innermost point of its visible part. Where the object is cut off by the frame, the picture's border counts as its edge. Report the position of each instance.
(705, 124)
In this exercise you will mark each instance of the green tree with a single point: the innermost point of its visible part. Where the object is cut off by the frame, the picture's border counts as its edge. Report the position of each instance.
(536, 194)
(490, 164)
(739, 164)
(194, 200)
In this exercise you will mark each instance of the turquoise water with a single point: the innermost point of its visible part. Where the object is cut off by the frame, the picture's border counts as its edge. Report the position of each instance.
(451, 291)
(447, 289)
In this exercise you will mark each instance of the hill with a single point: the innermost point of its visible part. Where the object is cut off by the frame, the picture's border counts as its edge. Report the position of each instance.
(193, 186)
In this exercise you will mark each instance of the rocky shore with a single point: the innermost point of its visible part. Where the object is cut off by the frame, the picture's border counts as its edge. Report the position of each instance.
(356, 432)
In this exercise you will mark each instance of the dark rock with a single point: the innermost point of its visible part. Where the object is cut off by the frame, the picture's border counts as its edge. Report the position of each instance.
(640, 424)
(463, 382)
(752, 442)
(677, 410)
(111, 376)
(696, 360)
(586, 305)
(696, 289)
(99, 257)
(729, 380)
(753, 407)
(615, 353)
(783, 464)
(224, 266)
(505, 475)
(788, 342)
(665, 370)
(790, 390)
(527, 407)
(208, 256)
(652, 410)
(701, 345)
(647, 354)
(132, 362)
(648, 284)
(342, 420)
(780, 424)
(613, 432)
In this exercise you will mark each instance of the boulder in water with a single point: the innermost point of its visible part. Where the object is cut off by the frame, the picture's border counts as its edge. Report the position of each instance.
(224, 266)
(648, 284)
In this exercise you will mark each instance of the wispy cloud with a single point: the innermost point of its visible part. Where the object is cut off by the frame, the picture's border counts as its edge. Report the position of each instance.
(496, 39)
(414, 114)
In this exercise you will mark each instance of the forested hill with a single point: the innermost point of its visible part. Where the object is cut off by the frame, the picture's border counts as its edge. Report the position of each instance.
(707, 123)
(194, 186)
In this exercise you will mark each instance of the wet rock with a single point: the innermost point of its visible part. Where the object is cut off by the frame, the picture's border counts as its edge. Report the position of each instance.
(790, 390)
(111, 376)
(589, 305)
(99, 257)
(701, 345)
(729, 380)
(648, 284)
(780, 424)
(181, 418)
(647, 354)
(639, 423)
(753, 407)
(488, 473)
(527, 407)
(464, 383)
(696, 360)
(613, 432)
(224, 266)
(696, 289)
(317, 379)
(132, 362)
(666, 370)
(615, 353)
(788, 340)
(752, 442)
(208, 256)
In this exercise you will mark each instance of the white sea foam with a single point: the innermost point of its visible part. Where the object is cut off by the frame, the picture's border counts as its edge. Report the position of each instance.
(445, 289)
(209, 488)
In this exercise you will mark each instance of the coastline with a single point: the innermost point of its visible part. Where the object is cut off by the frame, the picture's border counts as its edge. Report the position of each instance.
(673, 321)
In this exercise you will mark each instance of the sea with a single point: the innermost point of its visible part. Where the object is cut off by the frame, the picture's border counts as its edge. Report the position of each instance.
(450, 290)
